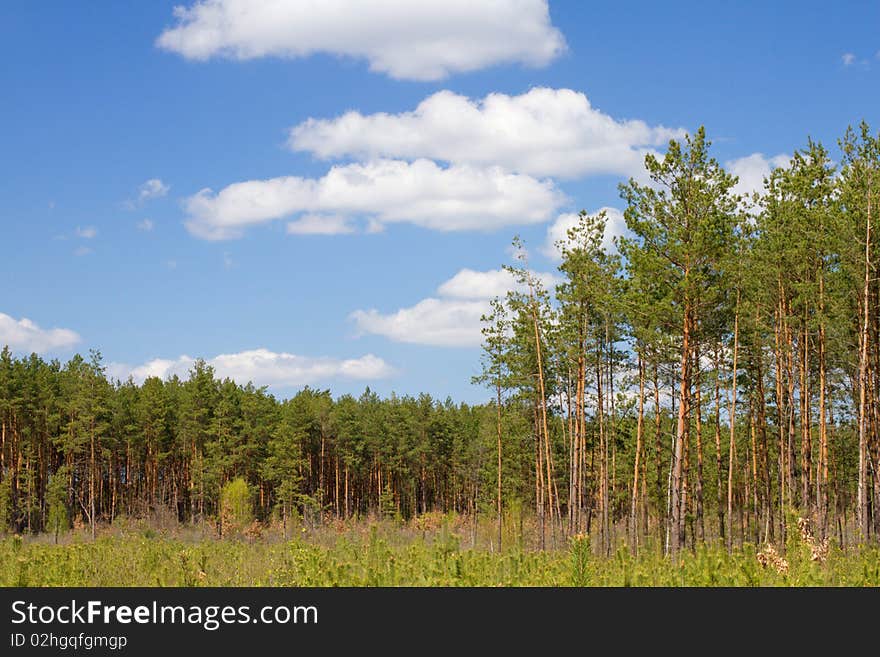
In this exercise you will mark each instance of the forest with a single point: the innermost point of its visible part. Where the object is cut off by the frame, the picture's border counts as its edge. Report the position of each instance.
(714, 378)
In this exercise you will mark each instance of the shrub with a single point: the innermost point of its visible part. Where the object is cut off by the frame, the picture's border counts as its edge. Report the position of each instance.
(236, 506)
(56, 495)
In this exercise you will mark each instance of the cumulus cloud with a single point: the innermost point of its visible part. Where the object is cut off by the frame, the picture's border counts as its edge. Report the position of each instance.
(263, 368)
(848, 59)
(320, 224)
(558, 231)
(437, 322)
(453, 319)
(87, 232)
(752, 170)
(425, 40)
(544, 132)
(470, 284)
(146, 225)
(83, 251)
(382, 192)
(23, 335)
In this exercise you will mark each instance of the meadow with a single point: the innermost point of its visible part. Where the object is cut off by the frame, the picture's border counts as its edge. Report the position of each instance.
(392, 554)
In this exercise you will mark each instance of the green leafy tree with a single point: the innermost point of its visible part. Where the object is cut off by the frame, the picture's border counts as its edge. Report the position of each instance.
(56, 497)
(236, 505)
(682, 226)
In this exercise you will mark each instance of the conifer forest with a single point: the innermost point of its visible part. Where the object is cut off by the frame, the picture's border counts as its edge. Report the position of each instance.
(709, 385)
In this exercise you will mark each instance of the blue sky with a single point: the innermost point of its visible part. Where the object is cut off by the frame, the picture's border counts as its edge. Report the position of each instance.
(115, 116)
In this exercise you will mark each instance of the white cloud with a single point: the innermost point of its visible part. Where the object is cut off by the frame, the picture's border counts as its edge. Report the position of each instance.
(23, 335)
(752, 170)
(320, 224)
(146, 225)
(263, 367)
(383, 191)
(558, 230)
(544, 132)
(87, 232)
(453, 320)
(470, 284)
(149, 189)
(848, 59)
(83, 251)
(424, 40)
(159, 367)
(152, 188)
(437, 322)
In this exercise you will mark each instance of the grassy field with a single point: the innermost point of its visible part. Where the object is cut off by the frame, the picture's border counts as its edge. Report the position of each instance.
(385, 554)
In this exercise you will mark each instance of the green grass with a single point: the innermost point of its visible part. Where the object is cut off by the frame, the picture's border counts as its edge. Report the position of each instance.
(382, 557)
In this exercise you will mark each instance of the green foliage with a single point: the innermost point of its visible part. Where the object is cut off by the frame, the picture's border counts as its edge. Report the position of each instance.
(580, 560)
(380, 558)
(387, 507)
(5, 504)
(236, 505)
(56, 496)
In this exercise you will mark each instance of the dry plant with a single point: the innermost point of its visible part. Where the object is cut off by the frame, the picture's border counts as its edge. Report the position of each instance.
(769, 557)
(254, 530)
(818, 550)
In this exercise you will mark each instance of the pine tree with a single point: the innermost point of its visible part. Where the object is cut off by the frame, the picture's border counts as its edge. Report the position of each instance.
(681, 226)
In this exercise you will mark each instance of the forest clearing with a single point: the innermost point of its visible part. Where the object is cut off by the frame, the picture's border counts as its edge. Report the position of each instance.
(446, 325)
(701, 403)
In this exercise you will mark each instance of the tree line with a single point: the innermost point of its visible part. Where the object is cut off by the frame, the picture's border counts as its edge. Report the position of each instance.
(77, 445)
(716, 372)
(711, 377)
